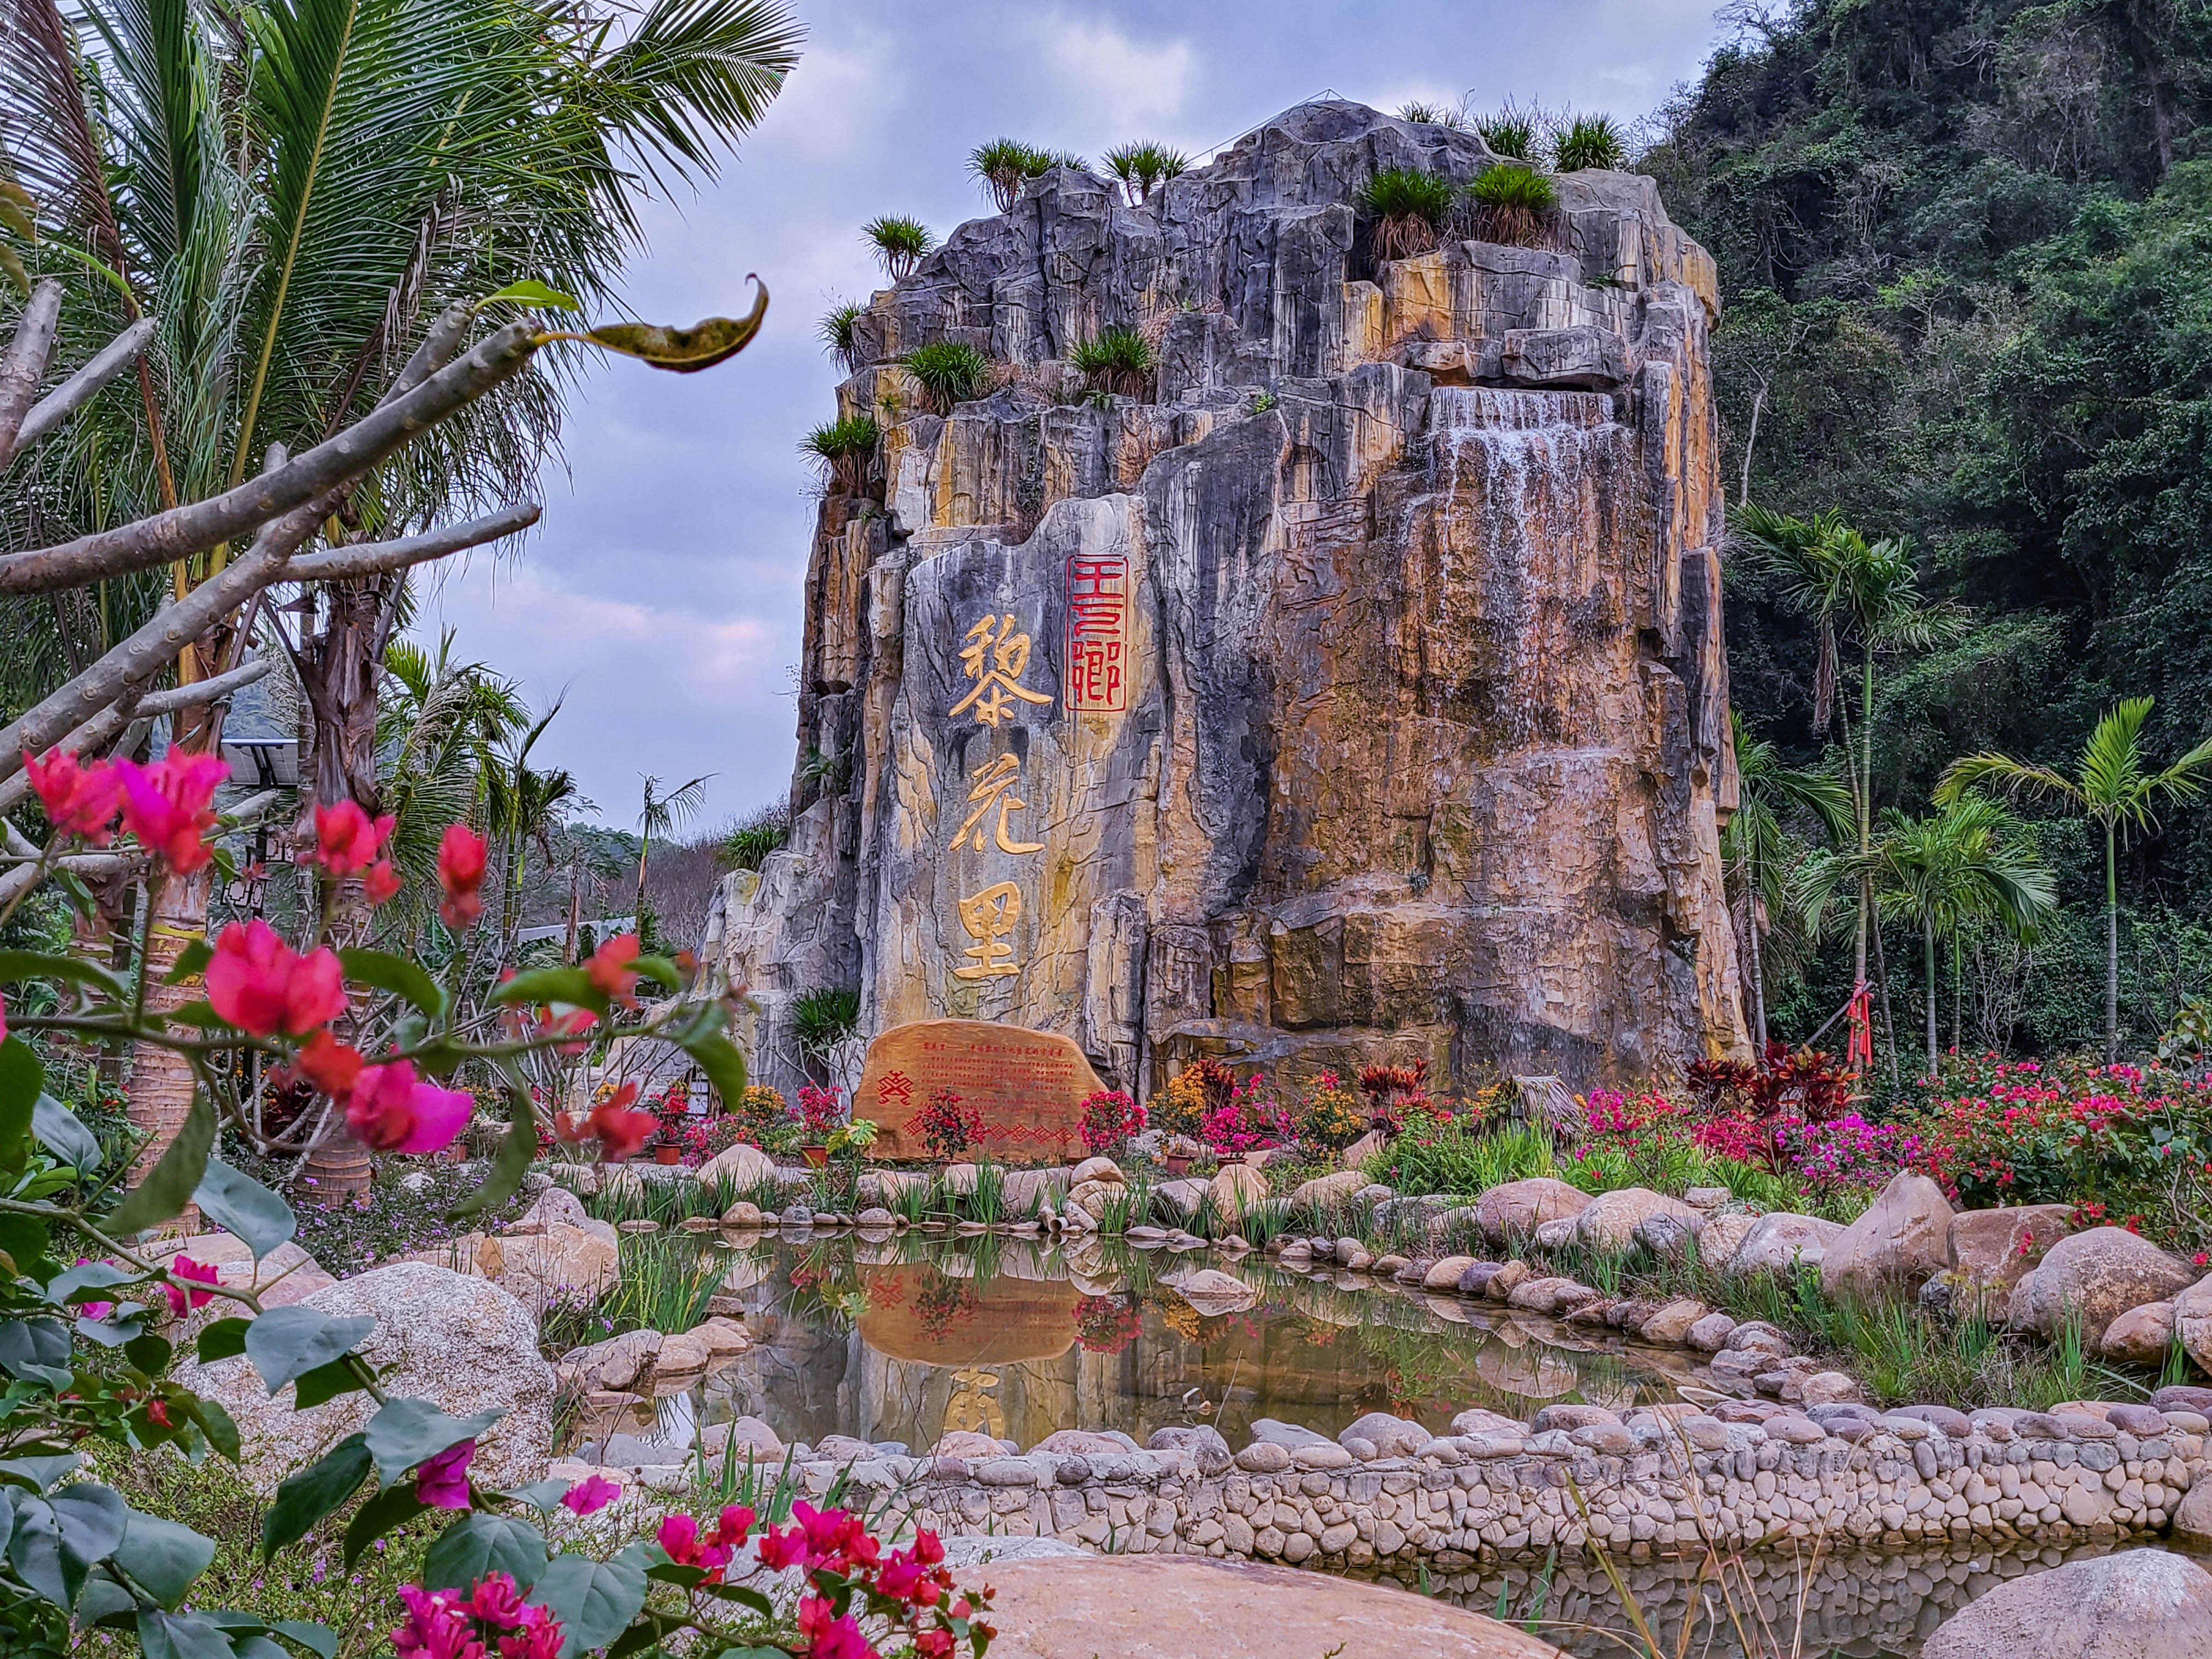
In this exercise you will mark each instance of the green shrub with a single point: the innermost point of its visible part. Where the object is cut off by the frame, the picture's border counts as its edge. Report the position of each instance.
(1512, 131)
(823, 1017)
(1003, 164)
(948, 372)
(747, 845)
(836, 331)
(1409, 205)
(844, 447)
(900, 243)
(1143, 169)
(1513, 205)
(1431, 115)
(1451, 1158)
(1593, 141)
(1116, 359)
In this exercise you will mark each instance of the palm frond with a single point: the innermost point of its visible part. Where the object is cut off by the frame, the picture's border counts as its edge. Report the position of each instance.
(692, 75)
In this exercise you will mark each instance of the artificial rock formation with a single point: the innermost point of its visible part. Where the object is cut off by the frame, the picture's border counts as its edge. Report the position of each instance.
(1355, 693)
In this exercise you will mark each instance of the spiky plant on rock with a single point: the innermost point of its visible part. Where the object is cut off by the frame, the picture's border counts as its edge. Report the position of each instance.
(845, 447)
(900, 243)
(1118, 359)
(1409, 206)
(1593, 141)
(1143, 169)
(835, 331)
(948, 372)
(1513, 205)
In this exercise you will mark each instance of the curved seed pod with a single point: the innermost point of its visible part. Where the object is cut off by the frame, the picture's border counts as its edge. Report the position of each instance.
(685, 350)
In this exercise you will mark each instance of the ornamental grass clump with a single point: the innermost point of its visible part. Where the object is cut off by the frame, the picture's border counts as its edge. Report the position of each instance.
(1409, 206)
(1513, 205)
(1591, 141)
(1431, 115)
(1143, 169)
(846, 447)
(900, 243)
(1003, 165)
(946, 373)
(838, 331)
(1513, 131)
(1117, 360)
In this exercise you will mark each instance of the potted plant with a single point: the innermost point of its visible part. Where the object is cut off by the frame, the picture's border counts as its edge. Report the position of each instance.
(667, 1150)
(1176, 1152)
(818, 1109)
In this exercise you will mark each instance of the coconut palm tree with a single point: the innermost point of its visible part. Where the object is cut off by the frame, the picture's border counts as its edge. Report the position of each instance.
(1758, 853)
(661, 815)
(522, 808)
(1966, 863)
(1868, 591)
(298, 190)
(2115, 790)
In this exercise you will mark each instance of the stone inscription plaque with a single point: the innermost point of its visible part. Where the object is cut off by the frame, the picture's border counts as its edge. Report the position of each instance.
(1028, 1087)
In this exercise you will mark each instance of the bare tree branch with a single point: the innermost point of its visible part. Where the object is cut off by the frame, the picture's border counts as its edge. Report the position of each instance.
(65, 399)
(197, 526)
(24, 360)
(380, 558)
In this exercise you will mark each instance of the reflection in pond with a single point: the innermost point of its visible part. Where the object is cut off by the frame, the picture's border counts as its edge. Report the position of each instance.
(904, 1340)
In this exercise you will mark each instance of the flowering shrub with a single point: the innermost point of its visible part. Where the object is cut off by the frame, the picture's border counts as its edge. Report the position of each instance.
(1396, 1093)
(759, 1107)
(1330, 1117)
(1106, 1324)
(820, 1110)
(1111, 1121)
(1247, 1122)
(949, 1127)
(1193, 1095)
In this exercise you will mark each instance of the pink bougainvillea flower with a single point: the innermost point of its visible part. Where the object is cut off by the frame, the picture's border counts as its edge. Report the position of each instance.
(79, 799)
(260, 984)
(733, 1526)
(442, 1482)
(573, 1024)
(495, 1597)
(392, 1111)
(679, 1536)
(590, 1495)
(537, 1635)
(610, 972)
(200, 1273)
(94, 1309)
(461, 872)
(830, 1636)
(167, 806)
(622, 1131)
(379, 882)
(347, 840)
(330, 1065)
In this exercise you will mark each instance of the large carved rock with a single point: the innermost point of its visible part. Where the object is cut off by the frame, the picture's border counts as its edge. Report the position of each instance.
(1357, 696)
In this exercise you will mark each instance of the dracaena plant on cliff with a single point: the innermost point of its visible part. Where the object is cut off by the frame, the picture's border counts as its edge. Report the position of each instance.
(900, 243)
(1513, 205)
(1143, 169)
(1409, 206)
(947, 372)
(1117, 360)
(1588, 141)
(845, 447)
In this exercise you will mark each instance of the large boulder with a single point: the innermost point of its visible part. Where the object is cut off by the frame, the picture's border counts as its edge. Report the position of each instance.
(2140, 1336)
(2100, 1274)
(1778, 1243)
(1991, 1251)
(1512, 1211)
(740, 1169)
(1723, 1236)
(461, 1343)
(2139, 1604)
(1609, 1221)
(1237, 1190)
(1325, 1194)
(1178, 1606)
(2193, 1321)
(560, 1264)
(1214, 1291)
(1900, 1243)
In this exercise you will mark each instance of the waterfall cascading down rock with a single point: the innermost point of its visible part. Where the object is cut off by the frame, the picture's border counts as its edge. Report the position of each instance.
(1358, 694)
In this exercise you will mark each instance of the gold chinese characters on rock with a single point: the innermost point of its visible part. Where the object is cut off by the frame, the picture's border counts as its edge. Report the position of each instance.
(994, 656)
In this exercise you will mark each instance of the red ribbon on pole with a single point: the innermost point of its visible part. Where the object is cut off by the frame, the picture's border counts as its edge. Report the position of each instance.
(1858, 1051)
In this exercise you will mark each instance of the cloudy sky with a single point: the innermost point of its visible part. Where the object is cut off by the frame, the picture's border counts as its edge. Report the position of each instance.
(660, 596)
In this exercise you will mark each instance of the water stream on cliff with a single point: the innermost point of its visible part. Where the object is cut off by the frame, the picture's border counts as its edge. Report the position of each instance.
(905, 1339)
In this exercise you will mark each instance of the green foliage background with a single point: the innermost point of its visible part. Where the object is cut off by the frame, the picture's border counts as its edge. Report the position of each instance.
(1963, 246)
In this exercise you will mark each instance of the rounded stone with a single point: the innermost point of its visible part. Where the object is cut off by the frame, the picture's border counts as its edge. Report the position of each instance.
(2139, 1604)
(2099, 1275)
(1513, 1210)
(1901, 1241)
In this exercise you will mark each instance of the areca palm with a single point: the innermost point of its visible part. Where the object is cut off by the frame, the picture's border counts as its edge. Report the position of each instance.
(661, 814)
(2115, 789)
(523, 805)
(1868, 591)
(1964, 863)
(1758, 852)
(298, 190)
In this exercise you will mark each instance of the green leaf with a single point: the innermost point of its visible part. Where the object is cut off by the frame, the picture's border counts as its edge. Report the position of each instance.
(149, 1354)
(484, 1543)
(532, 294)
(24, 1238)
(22, 1079)
(660, 970)
(169, 1185)
(192, 961)
(38, 1473)
(216, 1424)
(570, 985)
(724, 1065)
(85, 1277)
(244, 1208)
(223, 1339)
(19, 965)
(405, 1432)
(313, 1492)
(161, 1557)
(540, 1495)
(316, 1639)
(35, 1552)
(684, 350)
(745, 1598)
(201, 1015)
(36, 1349)
(92, 1520)
(397, 974)
(326, 1381)
(63, 1133)
(181, 1635)
(289, 1342)
(392, 1507)
(594, 1600)
(103, 1597)
(517, 1148)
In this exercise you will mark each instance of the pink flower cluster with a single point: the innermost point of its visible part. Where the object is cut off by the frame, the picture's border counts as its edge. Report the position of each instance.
(1248, 1121)
(167, 806)
(491, 1618)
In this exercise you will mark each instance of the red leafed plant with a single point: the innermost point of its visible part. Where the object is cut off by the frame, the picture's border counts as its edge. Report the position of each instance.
(1803, 1083)
(1396, 1093)
(1111, 1121)
(949, 1127)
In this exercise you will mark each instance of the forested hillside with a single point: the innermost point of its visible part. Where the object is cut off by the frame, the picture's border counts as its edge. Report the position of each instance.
(1965, 247)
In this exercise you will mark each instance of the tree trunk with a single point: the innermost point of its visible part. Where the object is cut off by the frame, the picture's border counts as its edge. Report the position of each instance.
(1888, 1014)
(161, 1083)
(1758, 977)
(1957, 991)
(1928, 954)
(339, 669)
(2112, 949)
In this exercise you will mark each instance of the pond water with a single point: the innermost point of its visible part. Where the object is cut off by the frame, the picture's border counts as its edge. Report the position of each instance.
(904, 1340)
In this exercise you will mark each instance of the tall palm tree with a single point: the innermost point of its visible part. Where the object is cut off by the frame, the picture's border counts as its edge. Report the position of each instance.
(296, 189)
(522, 807)
(1870, 592)
(2114, 789)
(1758, 853)
(1965, 863)
(662, 813)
